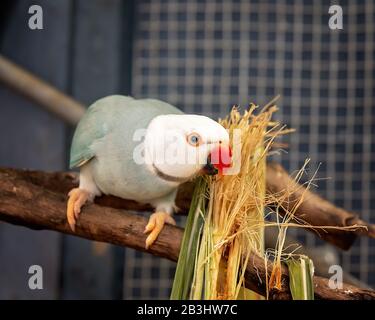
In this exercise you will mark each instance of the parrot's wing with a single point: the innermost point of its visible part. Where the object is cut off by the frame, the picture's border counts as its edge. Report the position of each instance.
(85, 134)
(94, 125)
(105, 114)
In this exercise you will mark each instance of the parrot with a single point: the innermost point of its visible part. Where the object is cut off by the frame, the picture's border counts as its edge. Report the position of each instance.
(142, 150)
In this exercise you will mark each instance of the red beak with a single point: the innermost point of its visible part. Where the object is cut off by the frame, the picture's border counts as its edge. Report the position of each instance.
(221, 157)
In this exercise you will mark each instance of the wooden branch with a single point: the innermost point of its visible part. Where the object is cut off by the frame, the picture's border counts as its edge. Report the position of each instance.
(317, 254)
(38, 201)
(314, 210)
(256, 281)
(35, 89)
(44, 207)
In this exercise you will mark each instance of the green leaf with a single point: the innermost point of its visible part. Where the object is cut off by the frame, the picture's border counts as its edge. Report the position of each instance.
(186, 261)
(301, 273)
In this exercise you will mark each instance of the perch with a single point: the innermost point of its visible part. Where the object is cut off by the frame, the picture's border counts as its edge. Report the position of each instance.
(37, 200)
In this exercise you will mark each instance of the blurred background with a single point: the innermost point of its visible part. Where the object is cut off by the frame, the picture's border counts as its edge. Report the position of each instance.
(204, 57)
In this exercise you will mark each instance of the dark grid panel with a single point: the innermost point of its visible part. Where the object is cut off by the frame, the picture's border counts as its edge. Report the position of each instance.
(205, 56)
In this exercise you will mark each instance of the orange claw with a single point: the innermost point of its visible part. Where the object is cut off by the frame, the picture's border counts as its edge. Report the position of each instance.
(155, 225)
(77, 198)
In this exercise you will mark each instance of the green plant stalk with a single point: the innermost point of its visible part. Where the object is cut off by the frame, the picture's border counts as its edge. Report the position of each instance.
(188, 253)
(197, 286)
(301, 272)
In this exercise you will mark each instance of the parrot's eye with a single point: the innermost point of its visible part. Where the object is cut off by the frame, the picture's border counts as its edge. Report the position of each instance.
(194, 139)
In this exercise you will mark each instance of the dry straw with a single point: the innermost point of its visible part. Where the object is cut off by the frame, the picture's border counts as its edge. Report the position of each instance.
(227, 218)
(234, 220)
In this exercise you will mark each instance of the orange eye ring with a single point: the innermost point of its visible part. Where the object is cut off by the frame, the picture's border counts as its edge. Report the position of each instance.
(194, 139)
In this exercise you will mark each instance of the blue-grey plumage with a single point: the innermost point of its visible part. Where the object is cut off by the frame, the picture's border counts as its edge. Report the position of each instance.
(104, 147)
(106, 137)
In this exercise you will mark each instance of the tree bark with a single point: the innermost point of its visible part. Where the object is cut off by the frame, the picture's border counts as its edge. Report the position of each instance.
(314, 210)
(38, 91)
(38, 201)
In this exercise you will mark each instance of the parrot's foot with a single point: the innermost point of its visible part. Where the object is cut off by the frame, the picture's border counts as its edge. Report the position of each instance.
(155, 225)
(77, 198)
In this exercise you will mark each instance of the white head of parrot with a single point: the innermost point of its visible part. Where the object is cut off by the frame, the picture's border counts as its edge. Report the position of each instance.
(177, 147)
